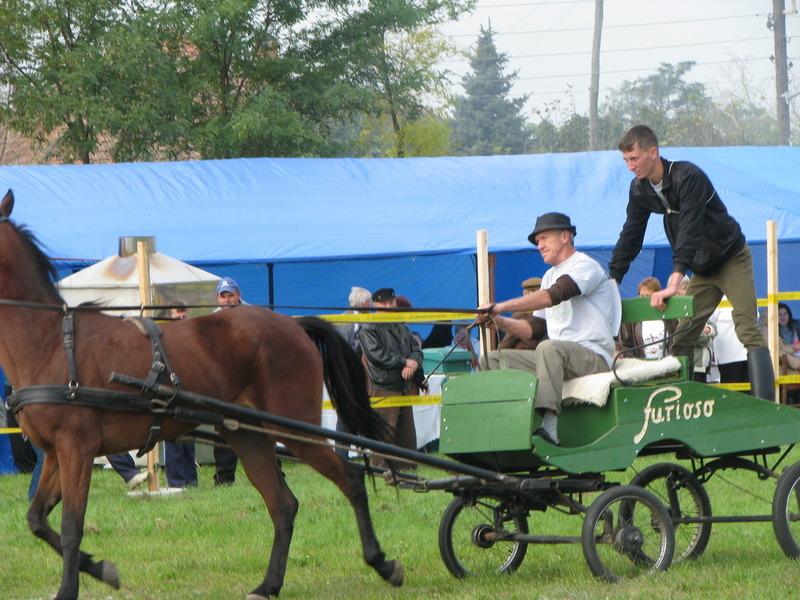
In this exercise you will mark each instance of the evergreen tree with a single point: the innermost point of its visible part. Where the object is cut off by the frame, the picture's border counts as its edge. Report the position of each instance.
(486, 120)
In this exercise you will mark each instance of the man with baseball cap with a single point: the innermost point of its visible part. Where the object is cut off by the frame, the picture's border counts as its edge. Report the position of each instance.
(582, 308)
(225, 460)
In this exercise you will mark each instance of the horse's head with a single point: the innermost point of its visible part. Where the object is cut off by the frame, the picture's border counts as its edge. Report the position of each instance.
(26, 273)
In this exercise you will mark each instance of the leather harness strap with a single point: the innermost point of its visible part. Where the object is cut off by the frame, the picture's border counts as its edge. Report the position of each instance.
(68, 326)
(160, 372)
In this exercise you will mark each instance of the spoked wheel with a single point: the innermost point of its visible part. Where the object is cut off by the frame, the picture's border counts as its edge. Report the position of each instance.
(474, 536)
(627, 532)
(685, 497)
(786, 511)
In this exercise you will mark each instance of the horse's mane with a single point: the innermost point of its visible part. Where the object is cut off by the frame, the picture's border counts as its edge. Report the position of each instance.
(44, 266)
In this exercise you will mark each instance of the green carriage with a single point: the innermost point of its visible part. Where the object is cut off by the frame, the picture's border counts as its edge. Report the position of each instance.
(488, 420)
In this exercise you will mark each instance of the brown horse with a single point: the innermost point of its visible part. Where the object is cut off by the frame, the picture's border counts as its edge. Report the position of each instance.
(244, 355)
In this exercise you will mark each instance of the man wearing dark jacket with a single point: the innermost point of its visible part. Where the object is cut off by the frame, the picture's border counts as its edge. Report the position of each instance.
(394, 365)
(704, 239)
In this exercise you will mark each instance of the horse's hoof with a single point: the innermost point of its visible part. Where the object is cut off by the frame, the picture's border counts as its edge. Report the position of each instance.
(252, 596)
(109, 574)
(398, 574)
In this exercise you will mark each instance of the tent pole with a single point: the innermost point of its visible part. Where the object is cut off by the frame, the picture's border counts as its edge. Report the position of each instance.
(772, 301)
(271, 285)
(484, 295)
(146, 298)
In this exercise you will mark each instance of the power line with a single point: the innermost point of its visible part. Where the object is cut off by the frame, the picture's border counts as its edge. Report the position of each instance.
(618, 71)
(621, 26)
(614, 50)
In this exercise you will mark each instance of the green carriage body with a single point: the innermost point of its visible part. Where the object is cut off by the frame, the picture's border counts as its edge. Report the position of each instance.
(488, 418)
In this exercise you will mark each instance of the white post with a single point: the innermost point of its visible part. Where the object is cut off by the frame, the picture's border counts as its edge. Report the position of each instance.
(146, 298)
(772, 300)
(484, 295)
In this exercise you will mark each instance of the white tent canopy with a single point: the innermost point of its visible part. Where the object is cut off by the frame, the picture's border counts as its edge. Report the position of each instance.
(114, 281)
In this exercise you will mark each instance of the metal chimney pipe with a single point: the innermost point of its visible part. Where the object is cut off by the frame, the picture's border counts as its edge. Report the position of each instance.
(127, 244)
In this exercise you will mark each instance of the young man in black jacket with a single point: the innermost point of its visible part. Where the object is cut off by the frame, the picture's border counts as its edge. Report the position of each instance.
(704, 239)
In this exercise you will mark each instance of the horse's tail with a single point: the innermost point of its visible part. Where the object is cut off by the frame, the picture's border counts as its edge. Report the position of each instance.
(345, 379)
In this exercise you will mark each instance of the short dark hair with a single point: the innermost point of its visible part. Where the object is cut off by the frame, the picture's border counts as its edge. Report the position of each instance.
(639, 135)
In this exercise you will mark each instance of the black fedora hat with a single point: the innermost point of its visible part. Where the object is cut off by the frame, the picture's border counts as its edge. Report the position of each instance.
(549, 221)
(383, 295)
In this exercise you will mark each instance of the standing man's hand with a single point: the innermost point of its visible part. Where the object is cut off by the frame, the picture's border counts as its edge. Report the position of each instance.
(659, 298)
(410, 368)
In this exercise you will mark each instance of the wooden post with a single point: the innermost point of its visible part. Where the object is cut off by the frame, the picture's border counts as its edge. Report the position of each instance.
(484, 296)
(772, 300)
(146, 298)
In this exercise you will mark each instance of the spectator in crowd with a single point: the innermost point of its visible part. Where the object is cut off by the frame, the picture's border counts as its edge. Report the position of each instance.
(703, 351)
(538, 325)
(647, 339)
(394, 365)
(360, 300)
(704, 239)
(788, 340)
(729, 352)
(179, 457)
(583, 310)
(225, 461)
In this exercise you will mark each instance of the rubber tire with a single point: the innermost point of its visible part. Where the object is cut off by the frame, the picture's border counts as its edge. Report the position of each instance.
(788, 482)
(699, 495)
(449, 556)
(595, 513)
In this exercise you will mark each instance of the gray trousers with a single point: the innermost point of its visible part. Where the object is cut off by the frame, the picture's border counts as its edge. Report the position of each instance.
(735, 280)
(552, 362)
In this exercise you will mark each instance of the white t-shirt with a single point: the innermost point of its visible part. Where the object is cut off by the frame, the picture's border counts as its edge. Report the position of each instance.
(727, 347)
(591, 319)
(653, 334)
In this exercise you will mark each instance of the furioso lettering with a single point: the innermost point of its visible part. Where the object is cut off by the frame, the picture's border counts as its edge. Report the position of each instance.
(664, 406)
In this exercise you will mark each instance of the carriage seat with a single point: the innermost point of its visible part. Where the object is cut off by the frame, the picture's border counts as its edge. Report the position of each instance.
(594, 389)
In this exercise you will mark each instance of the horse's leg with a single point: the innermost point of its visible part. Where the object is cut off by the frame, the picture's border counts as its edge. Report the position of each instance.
(47, 497)
(75, 467)
(349, 478)
(257, 454)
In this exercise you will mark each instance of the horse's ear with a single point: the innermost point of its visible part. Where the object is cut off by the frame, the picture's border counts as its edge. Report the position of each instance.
(7, 204)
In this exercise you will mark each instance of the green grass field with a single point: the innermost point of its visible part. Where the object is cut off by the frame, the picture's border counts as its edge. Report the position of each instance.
(211, 543)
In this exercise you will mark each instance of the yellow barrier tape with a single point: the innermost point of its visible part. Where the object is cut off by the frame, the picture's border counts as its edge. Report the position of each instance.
(788, 379)
(770, 299)
(398, 317)
(736, 387)
(396, 401)
(10, 430)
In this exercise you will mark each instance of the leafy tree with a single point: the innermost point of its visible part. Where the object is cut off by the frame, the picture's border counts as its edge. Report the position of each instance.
(675, 109)
(486, 120)
(214, 78)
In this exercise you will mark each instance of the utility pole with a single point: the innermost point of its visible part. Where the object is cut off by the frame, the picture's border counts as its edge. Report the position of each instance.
(594, 86)
(781, 71)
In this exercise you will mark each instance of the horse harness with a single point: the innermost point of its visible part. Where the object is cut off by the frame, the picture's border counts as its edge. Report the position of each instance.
(161, 372)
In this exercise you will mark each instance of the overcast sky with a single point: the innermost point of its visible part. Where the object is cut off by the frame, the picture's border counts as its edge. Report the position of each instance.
(549, 43)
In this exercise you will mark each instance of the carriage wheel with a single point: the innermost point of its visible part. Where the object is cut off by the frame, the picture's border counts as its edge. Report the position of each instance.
(684, 496)
(474, 536)
(786, 511)
(627, 532)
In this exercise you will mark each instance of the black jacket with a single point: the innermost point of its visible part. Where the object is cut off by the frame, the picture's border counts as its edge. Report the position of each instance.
(386, 347)
(701, 232)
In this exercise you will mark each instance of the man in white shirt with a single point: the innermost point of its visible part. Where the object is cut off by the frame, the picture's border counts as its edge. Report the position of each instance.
(583, 310)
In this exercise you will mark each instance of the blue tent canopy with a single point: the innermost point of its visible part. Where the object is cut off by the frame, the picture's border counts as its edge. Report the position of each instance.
(302, 231)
